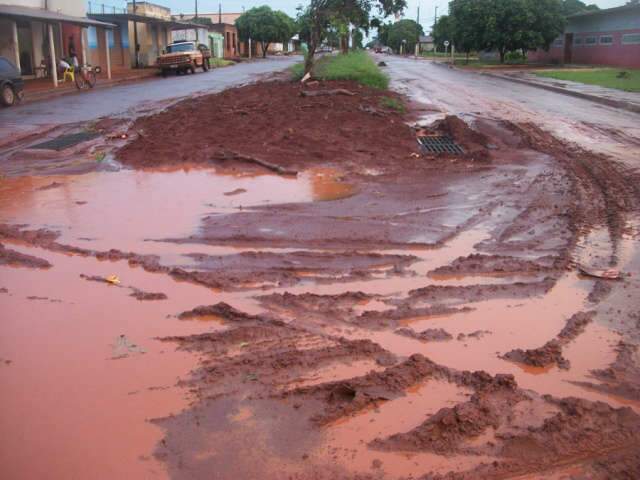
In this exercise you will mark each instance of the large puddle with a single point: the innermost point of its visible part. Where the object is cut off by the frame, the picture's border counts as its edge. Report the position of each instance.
(75, 406)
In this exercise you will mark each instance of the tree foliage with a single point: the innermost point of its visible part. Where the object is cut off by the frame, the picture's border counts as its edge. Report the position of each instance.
(324, 16)
(571, 7)
(405, 32)
(266, 26)
(501, 25)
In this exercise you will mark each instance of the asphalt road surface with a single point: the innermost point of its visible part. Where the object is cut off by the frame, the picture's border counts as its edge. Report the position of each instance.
(468, 94)
(135, 97)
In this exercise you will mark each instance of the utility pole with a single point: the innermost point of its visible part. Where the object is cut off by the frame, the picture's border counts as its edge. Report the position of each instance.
(196, 8)
(417, 49)
(135, 35)
(219, 13)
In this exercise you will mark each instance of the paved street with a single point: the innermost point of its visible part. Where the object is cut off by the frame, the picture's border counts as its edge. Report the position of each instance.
(468, 94)
(127, 99)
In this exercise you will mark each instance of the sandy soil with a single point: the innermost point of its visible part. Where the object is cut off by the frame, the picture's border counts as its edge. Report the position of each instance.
(394, 315)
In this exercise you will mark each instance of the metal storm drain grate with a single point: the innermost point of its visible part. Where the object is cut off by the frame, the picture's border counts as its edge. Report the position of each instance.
(65, 141)
(440, 144)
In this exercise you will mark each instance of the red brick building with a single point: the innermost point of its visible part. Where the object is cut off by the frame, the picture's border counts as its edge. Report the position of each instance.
(604, 37)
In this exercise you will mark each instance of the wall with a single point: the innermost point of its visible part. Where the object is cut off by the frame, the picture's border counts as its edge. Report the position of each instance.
(76, 8)
(150, 9)
(614, 24)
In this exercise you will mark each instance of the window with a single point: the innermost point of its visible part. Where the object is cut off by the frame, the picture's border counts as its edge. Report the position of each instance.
(181, 47)
(558, 42)
(579, 41)
(606, 40)
(590, 40)
(631, 39)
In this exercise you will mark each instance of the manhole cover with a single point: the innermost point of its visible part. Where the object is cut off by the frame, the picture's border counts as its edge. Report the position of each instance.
(440, 144)
(65, 141)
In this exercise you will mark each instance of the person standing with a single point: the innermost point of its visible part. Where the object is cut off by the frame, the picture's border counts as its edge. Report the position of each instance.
(72, 52)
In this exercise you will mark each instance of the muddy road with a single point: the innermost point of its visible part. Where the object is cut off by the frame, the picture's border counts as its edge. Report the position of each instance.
(320, 298)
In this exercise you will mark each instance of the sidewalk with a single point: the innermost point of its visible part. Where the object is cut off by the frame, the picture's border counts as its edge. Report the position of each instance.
(607, 96)
(43, 89)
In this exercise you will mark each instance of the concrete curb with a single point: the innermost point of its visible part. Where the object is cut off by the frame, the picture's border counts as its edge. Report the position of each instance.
(585, 96)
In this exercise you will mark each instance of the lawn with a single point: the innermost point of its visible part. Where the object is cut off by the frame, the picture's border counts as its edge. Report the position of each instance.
(604, 77)
(357, 66)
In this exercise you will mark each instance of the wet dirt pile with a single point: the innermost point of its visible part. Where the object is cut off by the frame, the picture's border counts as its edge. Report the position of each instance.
(273, 123)
(428, 335)
(622, 377)
(551, 352)
(478, 264)
(16, 259)
(263, 354)
(474, 143)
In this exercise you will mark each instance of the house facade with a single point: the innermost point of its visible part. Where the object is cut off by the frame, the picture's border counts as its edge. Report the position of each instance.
(604, 37)
(141, 32)
(37, 34)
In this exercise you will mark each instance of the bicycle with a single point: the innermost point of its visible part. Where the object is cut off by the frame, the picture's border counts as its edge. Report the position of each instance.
(85, 78)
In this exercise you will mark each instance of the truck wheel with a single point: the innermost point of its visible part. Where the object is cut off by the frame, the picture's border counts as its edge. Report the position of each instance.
(205, 65)
(192, 67)
(8, 95)
(164, 73)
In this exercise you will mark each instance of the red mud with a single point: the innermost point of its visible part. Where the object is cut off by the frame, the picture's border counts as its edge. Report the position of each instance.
(272, 386)
(286, 129)
(17, 259)
(622, 377)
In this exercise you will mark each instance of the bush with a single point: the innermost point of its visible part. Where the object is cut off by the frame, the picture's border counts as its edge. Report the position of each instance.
(515, 58)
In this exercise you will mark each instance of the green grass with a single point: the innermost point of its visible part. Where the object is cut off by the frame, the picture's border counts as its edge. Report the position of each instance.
(219, 62)
(457, 55)
(604, 77)
(357, 66)
(392, 104)
(297, 71)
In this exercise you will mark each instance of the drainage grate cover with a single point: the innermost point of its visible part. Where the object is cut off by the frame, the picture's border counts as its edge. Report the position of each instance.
(65, 141)
(440, 144)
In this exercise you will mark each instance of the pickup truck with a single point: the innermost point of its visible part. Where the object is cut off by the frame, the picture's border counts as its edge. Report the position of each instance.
(184, 56)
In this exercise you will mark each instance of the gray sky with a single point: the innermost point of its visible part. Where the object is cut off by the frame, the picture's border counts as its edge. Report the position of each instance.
(427, 7)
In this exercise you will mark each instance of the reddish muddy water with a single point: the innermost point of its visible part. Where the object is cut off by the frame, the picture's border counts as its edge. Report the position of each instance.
(82, 407)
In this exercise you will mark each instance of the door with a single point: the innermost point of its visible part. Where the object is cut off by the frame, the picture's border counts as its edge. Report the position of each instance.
(568, 47)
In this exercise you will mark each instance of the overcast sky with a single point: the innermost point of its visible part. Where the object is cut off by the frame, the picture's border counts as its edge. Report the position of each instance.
(427, 7)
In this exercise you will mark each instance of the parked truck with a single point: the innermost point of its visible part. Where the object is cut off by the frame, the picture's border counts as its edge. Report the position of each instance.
(184, 56)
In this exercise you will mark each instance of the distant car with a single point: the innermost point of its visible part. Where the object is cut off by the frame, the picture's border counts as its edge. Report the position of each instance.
(184, 56)
(11, 83)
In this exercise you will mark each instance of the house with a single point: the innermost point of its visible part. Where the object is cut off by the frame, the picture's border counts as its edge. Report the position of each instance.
(35, 38)
(224, 23)
(426, 43)
(145, 24)
(602, 37)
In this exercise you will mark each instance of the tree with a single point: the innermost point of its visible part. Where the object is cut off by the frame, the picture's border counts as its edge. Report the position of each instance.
(505, 25)
(571, 7)
(442, 31)
(265, 26)
(404, 34)
(320, 14)
(465, 28)
(357, 37)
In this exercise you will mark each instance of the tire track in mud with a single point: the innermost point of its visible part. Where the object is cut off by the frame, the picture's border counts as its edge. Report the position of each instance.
(299, 370)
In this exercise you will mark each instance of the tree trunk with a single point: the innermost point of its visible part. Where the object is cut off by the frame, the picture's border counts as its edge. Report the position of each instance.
(344, 43)
(467, 62)
(265, 47)
(502, 54)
